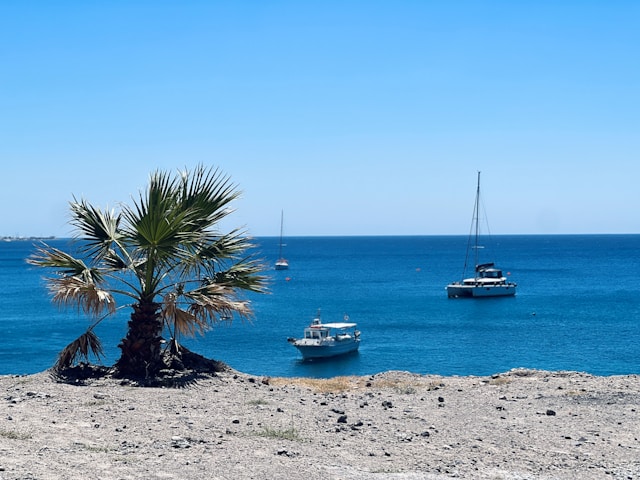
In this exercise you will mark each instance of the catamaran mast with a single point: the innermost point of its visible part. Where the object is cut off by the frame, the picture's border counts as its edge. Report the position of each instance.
(281, 226)
(476, 215)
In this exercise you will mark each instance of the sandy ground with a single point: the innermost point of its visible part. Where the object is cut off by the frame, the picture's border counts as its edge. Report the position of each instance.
(518, 425)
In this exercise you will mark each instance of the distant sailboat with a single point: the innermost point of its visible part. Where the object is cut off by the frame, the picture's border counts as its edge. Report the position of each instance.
(281, 263)
(487, 281)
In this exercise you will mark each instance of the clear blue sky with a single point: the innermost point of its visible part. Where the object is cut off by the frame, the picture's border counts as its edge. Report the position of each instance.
(354, 117)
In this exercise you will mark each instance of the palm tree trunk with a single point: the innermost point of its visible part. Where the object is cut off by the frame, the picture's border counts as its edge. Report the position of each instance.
(141, 348)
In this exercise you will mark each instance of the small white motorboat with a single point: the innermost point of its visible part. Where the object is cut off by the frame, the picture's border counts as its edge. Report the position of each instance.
(325, 340)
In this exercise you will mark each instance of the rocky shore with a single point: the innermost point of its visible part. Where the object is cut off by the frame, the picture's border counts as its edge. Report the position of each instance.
(522, 424)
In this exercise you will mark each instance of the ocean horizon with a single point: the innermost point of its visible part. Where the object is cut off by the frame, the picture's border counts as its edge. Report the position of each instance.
(576, 308)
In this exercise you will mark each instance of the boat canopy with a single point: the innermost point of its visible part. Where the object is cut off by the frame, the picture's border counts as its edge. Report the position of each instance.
(336, 325)
(484, 266)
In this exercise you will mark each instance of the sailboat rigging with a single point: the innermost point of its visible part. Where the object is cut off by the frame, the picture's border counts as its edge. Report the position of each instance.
(488, 280)
(281, 263)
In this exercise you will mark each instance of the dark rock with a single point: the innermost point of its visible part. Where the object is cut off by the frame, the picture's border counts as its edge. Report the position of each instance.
(551, 413)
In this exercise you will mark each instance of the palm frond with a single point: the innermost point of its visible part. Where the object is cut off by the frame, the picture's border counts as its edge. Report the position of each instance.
(214, 301)
(212, 253)
(80, 348)
(188, 324)
(155, 223)
(206, 193)
(227, 246)
(62, 262)
(243, 275)
(99, 229)
(216, 310)
(179, 320)
(76, 291)
(114, 261)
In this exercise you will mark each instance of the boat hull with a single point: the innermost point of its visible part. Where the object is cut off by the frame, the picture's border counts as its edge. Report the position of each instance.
(481, 291)
(310, 351)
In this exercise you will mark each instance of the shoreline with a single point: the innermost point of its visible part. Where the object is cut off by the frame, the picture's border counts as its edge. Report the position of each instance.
(514, 425)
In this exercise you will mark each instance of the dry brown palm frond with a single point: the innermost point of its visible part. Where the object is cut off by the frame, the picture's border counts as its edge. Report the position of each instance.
(80, 348)
(220, 305)
(85, 295)
(218, 299)
(184, 322)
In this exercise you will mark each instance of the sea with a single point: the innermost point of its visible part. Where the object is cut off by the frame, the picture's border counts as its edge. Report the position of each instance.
(577, 308)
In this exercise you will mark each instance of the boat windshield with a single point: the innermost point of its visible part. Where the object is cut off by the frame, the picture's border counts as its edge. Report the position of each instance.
(314, 333)
(491, 273)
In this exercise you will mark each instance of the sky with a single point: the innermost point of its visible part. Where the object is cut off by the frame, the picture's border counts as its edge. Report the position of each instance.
(351, 117)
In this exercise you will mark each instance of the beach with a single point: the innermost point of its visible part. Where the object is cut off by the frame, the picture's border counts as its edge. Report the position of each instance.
(519, 424)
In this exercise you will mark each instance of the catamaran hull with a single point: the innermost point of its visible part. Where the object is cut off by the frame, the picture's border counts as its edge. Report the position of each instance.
(327, 351)
(473, 291)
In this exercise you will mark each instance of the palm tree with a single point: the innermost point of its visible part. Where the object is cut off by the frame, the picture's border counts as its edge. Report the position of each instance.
(165, 254)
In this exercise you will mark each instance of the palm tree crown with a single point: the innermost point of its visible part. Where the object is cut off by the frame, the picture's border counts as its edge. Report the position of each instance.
(166, 255)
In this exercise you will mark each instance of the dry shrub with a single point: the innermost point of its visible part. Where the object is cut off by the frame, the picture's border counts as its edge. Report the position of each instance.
(351, 383)
(322, 385)
(500, 381)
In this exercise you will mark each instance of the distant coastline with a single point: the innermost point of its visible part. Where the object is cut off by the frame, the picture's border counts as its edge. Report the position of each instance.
(21, 239)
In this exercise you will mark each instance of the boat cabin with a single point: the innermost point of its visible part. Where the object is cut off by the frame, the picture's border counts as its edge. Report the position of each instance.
(316, 332)
(490, 273)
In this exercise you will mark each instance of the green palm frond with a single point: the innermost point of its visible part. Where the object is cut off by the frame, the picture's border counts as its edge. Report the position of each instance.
(156, 224)
(114, 261)
(99, 229)
(76, 291)
(243, 275)
(80, 348)
(206, 193)
(63, 263)
(212, 255)
(227, 246)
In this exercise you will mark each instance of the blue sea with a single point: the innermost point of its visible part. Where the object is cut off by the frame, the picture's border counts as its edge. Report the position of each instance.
(577, 308)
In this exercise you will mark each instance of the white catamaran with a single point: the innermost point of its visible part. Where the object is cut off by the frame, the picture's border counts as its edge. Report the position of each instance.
(488, 281)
